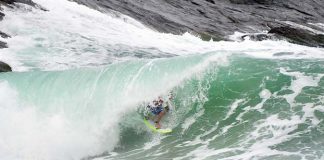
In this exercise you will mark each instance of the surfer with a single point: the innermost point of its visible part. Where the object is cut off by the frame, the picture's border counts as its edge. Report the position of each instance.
(158, 111)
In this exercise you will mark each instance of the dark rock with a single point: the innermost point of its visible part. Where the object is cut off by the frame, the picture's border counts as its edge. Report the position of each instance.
(10, 3)
(28, 2)
(3, 45)
(1, 16)
(4, 35)
(211, 1)
(260, 37)
(215, 18)
(207, 37)
(299, 36)
(6, 1)
(250, 2)
(4, 67)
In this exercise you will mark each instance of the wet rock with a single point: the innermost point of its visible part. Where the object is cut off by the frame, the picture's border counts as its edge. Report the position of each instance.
(215, 18)
(3, 45)
(10, 3)
(1, 15)
(207, 37)
(250, 2)
(299, 36)
(4, 35)
(260, 37)
(4, 67)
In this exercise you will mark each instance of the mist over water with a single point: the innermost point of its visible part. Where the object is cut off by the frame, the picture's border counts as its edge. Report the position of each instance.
(83, 78)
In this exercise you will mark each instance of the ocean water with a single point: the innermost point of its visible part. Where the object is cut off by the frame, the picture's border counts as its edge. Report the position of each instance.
(82, 79)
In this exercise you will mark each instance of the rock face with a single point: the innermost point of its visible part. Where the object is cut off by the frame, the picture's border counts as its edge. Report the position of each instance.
(1, 15)
(3, 45)
(260, 37)
(11, 2)
(4, 35)
(300, 36)
(4, 67)
(216, 18)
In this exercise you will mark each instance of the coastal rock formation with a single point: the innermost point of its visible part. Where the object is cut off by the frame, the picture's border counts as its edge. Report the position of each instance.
(300, 36)
(4, 35)
(3, 45)
(260, 37)
(4, 67)
(216, 19)
(12, 2)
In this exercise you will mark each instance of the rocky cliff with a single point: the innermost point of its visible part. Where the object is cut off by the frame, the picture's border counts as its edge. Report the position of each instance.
(219, 18)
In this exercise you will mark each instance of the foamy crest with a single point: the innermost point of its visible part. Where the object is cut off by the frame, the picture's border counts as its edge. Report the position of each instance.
(28, 133)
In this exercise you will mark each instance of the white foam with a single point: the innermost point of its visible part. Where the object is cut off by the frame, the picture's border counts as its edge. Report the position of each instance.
(265, 94)
(190, 120)
(27, 133)
(299, 83)
(268, 132)
(321, 25)
(70, 35)
(233, 107)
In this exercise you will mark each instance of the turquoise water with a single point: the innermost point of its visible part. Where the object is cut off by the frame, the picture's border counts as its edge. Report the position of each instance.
(241, 111)
(245, 109)
(80, 93)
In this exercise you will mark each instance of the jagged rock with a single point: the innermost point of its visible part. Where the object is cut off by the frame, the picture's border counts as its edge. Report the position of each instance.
(260, 37)
(28, 2)
(3, 45)
(1, 16)
(214, 18)
(249, 2)
(211, 1)
(299, 36)
(4, 67)
(207, 37)
(4, 35)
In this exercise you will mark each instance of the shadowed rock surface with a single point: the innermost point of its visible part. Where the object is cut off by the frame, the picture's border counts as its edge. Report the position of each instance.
(4, 67)
(3, 45)
(300, 36)
(216, 18)
(4, 35)
(12, 2)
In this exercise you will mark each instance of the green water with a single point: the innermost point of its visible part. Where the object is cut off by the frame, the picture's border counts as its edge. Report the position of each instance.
(224, 107)
(259, 127)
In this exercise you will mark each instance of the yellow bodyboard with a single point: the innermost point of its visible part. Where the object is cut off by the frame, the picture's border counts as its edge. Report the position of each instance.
(152, 127)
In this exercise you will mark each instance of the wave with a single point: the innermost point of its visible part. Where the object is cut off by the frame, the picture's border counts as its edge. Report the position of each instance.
(249, 109)
(76, 112)
(232, 100)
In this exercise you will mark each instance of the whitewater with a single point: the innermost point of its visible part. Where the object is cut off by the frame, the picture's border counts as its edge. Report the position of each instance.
(82, 79)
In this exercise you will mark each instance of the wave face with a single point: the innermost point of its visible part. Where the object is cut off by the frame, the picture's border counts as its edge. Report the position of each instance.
(250, 109)
(232, 100)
